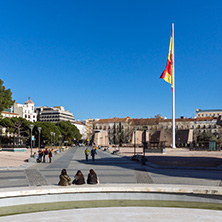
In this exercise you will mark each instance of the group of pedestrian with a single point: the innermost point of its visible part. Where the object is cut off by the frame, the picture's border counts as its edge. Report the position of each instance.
(92, 152)
(44, 156)
(79, 179)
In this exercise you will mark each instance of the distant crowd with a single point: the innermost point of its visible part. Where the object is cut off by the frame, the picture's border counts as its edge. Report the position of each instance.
(79, 179)
(44, 156)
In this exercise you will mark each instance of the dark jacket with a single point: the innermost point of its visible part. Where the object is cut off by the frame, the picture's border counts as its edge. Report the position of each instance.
(92, 179)
(78, 180)
(64, 180)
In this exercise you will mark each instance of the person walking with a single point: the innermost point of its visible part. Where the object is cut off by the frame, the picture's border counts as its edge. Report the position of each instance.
(78, 178)
(64, 179)
(50, 156)
(92, 177)
(40, 155)
(43, 153)
(93, 153)
(87, 153)
(46, 155)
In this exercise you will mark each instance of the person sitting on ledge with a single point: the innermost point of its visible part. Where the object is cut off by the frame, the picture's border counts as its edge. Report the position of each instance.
(78, 178)
(64, 179)
(92, 177)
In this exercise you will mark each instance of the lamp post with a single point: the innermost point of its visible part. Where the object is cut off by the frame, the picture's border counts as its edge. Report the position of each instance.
(144, 140)
(39, 129)
(60, 142)
(31, 126)
(134, 142)
(51, 138)
(54, 140)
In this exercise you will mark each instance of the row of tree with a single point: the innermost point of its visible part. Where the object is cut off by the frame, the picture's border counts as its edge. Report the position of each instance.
(21, 127)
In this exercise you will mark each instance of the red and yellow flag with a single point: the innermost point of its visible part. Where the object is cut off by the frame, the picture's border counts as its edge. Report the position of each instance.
(167, 74)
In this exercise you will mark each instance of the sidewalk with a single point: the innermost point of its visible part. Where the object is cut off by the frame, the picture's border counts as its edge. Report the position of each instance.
(179, 158)
(17, 160)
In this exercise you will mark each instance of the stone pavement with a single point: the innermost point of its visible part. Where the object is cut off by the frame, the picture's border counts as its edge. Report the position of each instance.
(113, 169)
(109, 168)
(121, 214)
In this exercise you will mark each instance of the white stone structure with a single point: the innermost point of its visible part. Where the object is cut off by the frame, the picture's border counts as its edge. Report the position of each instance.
(9, 114)
(82, 129)
(26, 110)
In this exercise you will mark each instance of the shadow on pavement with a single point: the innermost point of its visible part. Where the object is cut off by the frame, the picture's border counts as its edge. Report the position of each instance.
(184, 161)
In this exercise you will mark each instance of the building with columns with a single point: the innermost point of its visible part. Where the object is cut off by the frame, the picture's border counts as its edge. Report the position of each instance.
(158, 129)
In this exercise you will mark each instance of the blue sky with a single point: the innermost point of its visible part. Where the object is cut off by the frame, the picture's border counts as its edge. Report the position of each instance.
(101, 59)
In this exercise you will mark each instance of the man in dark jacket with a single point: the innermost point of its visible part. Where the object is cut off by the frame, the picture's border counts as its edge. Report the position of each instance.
(93, 153)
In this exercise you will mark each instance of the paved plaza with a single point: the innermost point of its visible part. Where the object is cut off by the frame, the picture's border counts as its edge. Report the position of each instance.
(113, 169)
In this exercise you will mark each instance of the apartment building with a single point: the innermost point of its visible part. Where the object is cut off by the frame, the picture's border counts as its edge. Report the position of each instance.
(54, 114)
(208, 112)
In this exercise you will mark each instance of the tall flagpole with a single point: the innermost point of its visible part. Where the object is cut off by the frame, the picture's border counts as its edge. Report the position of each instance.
(173, 95)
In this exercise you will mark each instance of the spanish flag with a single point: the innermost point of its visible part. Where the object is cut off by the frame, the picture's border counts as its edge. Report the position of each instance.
(167, 74)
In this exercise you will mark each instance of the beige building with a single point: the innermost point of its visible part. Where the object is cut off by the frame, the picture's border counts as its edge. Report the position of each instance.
(89, 129)
(158, 129)
(118, 129)
(208, 113)
(101, 138)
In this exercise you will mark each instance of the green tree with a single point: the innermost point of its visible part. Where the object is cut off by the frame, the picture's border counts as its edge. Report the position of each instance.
(68, 131)
(205, 137)
(5, 97)
(120, 134)
(46, 130)
(114, 133)
(16, 125)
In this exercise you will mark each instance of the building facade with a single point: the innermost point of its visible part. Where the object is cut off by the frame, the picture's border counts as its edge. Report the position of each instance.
(82, 129)
(208, 113)
(26, 110)
(158, 129)
(54, 114)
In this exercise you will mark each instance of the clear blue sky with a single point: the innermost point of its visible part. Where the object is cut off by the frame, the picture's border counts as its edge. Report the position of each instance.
(103, 58)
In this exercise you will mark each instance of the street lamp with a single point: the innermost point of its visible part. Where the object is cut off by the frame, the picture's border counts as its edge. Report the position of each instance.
(54, 140)
(134, 142)
(51, 138)
(60, 143)
(31, 126)
(39, 129)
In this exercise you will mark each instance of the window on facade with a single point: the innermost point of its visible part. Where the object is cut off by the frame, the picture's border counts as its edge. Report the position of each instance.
(25, 116)
(206, 115)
